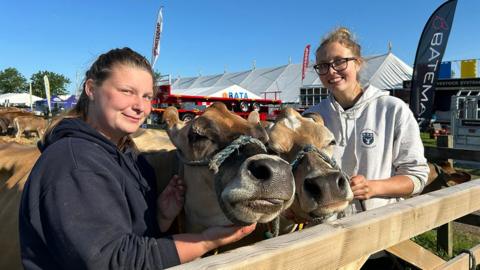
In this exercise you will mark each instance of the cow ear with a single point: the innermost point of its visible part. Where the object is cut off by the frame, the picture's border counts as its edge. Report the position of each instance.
(174, 124)
(315, 117)
(254, 117)
(170, 117)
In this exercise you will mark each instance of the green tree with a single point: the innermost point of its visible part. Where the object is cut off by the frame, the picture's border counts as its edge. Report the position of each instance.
(12, 81)
(158, 75)
(58, 83)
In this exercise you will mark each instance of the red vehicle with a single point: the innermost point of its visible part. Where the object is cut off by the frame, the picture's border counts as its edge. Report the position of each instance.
(189, 106)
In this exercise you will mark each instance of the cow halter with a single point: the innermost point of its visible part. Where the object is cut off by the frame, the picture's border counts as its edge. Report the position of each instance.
(216, 161)
(309, 148)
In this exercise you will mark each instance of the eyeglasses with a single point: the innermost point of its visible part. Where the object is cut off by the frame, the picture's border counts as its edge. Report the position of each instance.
(337, 65)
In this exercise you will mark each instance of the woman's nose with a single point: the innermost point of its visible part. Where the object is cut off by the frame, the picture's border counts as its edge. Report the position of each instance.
(138, 104)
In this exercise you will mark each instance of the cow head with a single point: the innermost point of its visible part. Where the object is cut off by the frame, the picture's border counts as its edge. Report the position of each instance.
(442, 174)
(242, 186)
(321, 188)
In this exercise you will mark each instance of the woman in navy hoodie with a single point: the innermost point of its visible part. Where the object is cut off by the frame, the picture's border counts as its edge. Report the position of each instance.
(89, 202)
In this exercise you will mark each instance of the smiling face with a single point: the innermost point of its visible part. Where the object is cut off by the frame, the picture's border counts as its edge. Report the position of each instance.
(344, 82)
(121, 103)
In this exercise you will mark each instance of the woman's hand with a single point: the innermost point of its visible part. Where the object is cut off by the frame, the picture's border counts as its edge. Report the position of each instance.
(193, 245)
(215, 237)
(362, 188)
(170, 202)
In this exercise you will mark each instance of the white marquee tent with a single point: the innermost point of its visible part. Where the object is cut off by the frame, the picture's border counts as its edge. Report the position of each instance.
(384, 71)
(17, 99)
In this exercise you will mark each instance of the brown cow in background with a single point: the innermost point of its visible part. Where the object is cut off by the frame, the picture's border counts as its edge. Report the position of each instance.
(3, 126)
(8, 116)
(29, 123)
(10, 109)
(442, 174)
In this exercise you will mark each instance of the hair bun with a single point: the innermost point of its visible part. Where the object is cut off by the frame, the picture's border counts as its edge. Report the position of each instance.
(343, 31)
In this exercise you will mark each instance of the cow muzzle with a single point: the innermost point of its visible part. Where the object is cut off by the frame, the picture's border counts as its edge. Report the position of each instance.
(259, 192)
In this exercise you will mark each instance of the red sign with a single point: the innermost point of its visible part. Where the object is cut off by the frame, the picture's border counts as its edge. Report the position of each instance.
(306, 54)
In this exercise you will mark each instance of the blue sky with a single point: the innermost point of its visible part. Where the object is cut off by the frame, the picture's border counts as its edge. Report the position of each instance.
(206, 37)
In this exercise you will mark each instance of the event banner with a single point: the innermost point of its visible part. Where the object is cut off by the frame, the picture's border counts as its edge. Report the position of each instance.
(156, 37)
(47, 94)
(431, 48)
(306, 54)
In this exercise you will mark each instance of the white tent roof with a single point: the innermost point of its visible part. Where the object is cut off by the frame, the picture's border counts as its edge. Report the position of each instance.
(384, 71)
(17, 99)
(233, 91)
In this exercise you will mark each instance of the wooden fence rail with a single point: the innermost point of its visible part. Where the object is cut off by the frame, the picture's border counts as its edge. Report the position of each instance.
(332, 246)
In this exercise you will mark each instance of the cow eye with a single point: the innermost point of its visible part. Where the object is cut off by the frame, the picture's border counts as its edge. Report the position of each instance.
(332, 142)
(194, 137)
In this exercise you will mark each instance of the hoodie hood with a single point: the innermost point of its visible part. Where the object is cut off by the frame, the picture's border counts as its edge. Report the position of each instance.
(369, 94)
(77, 128)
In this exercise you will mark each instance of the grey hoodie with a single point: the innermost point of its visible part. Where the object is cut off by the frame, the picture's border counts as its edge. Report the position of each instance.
(378, 138)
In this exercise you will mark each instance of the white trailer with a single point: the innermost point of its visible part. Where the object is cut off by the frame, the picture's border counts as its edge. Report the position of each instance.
(465, 123)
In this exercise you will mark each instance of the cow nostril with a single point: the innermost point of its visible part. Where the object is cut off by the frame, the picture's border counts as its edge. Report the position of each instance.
(341, 182)
(259, 171)
(312, 188)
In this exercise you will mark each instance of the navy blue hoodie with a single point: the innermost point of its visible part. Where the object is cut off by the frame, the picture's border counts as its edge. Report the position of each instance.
(86, 205)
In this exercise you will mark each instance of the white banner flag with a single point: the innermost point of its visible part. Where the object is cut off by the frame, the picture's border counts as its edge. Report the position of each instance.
(47, 93)
(156, 37)
(30, 96)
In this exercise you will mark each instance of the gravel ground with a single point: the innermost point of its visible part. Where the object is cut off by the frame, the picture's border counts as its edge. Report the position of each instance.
(475, 230)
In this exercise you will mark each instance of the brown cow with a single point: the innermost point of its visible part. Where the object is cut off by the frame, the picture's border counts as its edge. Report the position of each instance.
(29, 123)
(3, 126)
(10, 109)
(16, 161)
(241, 186)
(442, 174)
(8, 116)
(321, 189)
(150, 140)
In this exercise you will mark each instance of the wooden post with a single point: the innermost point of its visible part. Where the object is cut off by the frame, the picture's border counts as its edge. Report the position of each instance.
(445, 232)
(445, 238)
(445, 141)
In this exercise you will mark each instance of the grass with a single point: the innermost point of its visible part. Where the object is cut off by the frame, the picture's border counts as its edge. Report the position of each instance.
(426, 139)
(461, 241)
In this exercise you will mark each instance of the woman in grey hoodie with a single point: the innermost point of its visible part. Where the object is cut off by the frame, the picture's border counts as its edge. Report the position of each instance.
(378, 139)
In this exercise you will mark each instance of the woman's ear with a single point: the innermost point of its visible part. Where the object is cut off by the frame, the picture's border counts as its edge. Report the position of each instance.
(359, 64)
(90, 89)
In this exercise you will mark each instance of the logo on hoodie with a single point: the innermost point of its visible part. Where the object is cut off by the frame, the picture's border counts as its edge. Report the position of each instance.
(368, 138)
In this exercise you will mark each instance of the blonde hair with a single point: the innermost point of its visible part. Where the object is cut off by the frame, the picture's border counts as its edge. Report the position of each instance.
(343, 36)
(101, 70)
